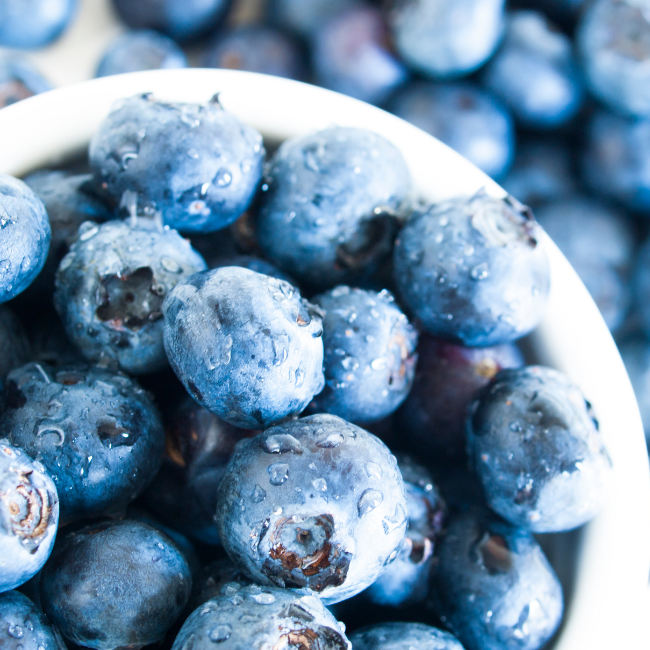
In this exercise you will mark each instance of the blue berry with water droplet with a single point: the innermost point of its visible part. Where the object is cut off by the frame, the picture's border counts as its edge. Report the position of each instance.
(403, 636)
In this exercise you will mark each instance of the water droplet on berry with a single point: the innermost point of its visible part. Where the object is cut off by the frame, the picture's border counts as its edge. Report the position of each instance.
(170, 265)
(373, 471)
(263, 598)
(278, 473)
(220, 633)
(281, 443)
(223, 177)
(480, 271)
(368, 501)
(332, 440)
(258, 495)
(320, 484)
(15, 631)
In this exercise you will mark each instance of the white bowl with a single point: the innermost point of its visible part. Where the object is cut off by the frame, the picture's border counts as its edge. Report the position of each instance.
(607, 605)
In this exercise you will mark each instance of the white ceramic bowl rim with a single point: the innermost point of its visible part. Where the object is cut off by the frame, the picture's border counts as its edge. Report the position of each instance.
(607, 609)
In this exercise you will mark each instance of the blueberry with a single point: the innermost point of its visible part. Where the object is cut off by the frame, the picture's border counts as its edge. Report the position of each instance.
(253, 264)
(534, 443)
(613, 39)
(635, 352)
(261, 617)
(14, 345)
(30, 24)
(183, 20)
(493, 586)
(97, 432)
(406, 580)
(29, 510)
(598, 242)
(351, 55)
(115, 584)
(19, 79)
(211, 580)
(246, 346)
(403, 636)
(256, 48)
(432, 419)
(24, 236)
(534, 72)
(329, 210)
(110, 289)
(195, 163)
(446, 38)
(316, 503)
(24, 626)
(140, 50)
(463, 116)
(184, 493)
(306, 16)
(472, 271)
(369, 354)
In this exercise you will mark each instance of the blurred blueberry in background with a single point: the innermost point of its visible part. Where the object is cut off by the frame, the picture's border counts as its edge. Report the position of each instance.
(28, 24)
(19, 79)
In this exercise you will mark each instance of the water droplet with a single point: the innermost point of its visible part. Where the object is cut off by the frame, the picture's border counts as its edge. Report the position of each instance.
(398, 519)
(368, 501)
(220, 633)
(332, 440)
(263, 599)
(480, 271)
(373, 471)
(320, 484)
(88, 230)
(258, 495)
(278, 473)
(223, 177)
(170, 265)
(379, 364)
(350, 363)
(516, 427)
(193, 153)
(300, 377)
(281, 443)
(127, 158)
(16, 631)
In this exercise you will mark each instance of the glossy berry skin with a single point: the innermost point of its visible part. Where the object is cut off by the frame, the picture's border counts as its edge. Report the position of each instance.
(534, 72)
(140, 50)
(406, 580)
(30, 24)
(327, 215)
(110, 289)
(613, 39)
(245, 345)
(370, 354)
(19, 79)
(256, 48)
(29, 510)
(195, 163)
(635, 352)
(14, 345)
(432, 419)
(183, 20)
(274, 618)
(493, 586)
(446, 38)
(472, 271)
(351, 55)
(24, 236)
(24, 626)
(306, 16)
(211, 580)
(599, 242)
(403, 636)
(534, 443)
(469, 120)
(315, 502)
(138, 580)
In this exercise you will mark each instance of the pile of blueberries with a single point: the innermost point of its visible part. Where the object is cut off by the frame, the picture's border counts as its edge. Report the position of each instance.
(195, 431)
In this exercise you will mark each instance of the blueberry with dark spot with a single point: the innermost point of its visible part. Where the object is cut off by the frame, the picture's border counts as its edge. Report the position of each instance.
(534, 443)
(24, 236)
(14, 345)
(493, 587)
(195, 163)
(110, 289)
(403, 636)
(30, 24)
(115, 584)
(29, 512)
(245, 345)
(370, 354)
(329, 211)
(315, 502)
(472, 270)
(96, 431)
(19, 79)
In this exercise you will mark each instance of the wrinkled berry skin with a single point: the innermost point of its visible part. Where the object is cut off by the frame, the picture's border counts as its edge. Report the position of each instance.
(140, 50)
(14, 346)
(494, 586)
(245, 345)
(274, 618)
(195, 163)
(96, 431)
(30, 24)
(306, 16)
(110, 289)
(472, 271)
(403, 636)
(24, 236)
(212, 578)
(328, 213)
(370, 354)
(184, 493)
(406, 580)
(635, 352)
(351, 55)
(29, 510)
(463, 116)
(183, 20)
(444, 39)
(115, 584)
(614, 44)
(534, 72)
(535, 445)
(315, 502)
(24, 626)
(19, 79)
(432, 419)
(599, 242)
